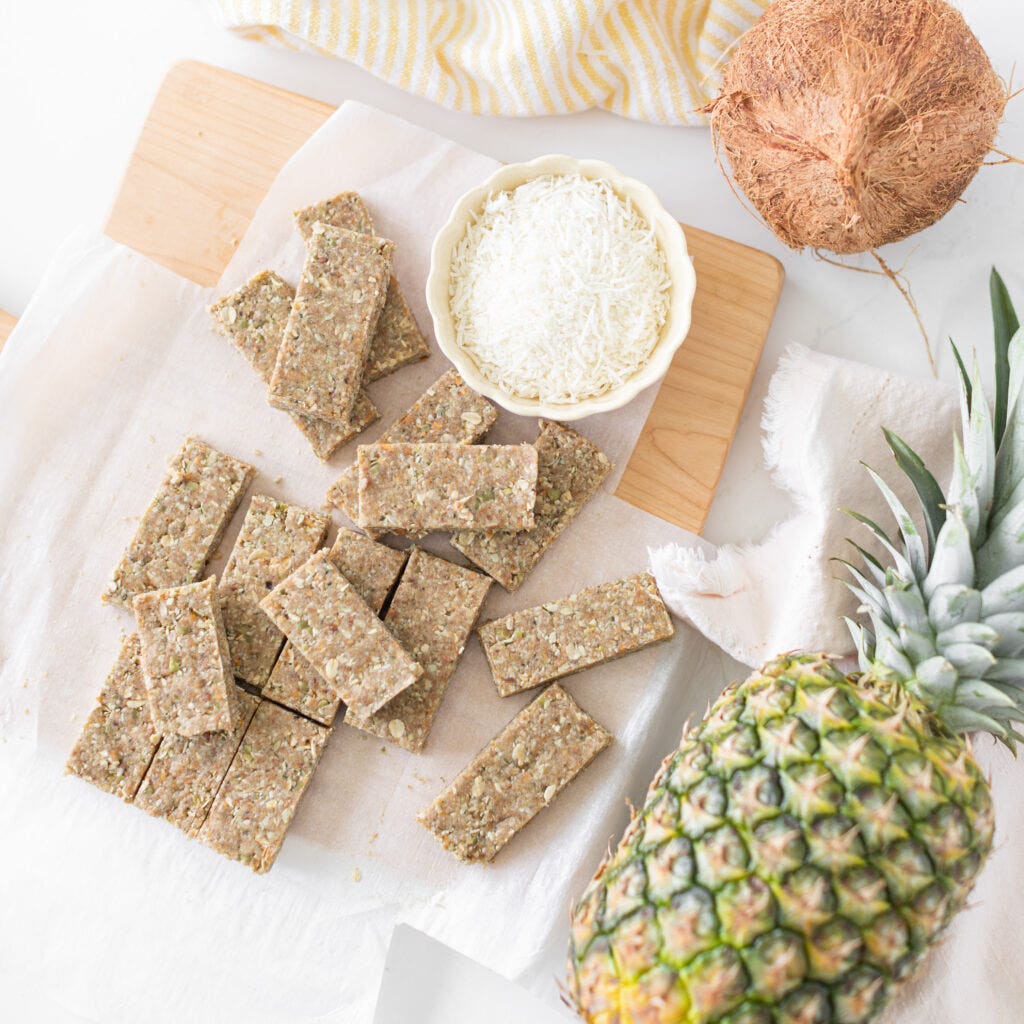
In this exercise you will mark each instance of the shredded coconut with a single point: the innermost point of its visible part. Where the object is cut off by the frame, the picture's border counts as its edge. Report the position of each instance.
(559, 289)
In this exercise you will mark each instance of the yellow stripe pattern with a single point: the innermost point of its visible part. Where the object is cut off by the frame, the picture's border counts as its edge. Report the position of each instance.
(652, 60)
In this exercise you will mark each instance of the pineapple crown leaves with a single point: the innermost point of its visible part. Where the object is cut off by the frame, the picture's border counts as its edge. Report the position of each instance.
(946, 614)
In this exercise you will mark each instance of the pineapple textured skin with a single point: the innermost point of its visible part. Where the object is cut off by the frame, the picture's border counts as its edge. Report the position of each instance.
(793, 863)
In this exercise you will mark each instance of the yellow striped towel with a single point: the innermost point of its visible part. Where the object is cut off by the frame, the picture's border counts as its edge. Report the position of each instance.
(653, 60)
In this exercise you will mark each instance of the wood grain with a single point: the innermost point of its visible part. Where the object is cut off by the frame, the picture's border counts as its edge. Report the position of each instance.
(7, 323)
(210, 149)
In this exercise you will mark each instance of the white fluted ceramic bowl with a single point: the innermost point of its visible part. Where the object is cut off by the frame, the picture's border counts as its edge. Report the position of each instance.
(670, 238)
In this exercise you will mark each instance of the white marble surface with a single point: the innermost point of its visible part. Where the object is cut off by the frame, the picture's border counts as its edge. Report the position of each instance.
(75, 83)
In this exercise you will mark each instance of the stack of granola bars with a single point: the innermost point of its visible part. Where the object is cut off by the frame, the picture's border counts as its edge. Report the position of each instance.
(220, 704)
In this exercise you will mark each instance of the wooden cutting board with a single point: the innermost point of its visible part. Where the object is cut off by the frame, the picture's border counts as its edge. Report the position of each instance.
(212, 145)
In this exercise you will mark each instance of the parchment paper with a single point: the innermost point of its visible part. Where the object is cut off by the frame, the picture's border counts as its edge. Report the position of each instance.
(116, 916)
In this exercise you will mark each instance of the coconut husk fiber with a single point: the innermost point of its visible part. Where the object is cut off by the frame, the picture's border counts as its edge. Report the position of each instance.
(849, 124)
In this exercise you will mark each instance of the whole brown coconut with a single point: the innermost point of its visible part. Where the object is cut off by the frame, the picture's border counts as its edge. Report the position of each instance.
(853, 123)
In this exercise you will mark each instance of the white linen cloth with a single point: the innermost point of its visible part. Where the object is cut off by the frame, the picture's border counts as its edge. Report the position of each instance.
(822, 415)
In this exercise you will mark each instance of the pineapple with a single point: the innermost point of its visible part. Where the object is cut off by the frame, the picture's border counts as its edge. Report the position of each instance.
(814, 835)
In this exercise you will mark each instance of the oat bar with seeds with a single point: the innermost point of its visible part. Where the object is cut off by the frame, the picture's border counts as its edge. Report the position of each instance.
(275, 539)
(345, 210)
(186, 773)
(337, 633)
(431, 615)
(118, 741)
(372, 569)
(398, 340)
(327, 338)
(555, 639)
(569, 471)
(296, 685)
(515, 776)
(184, 522)
(416, 488)
(262, 789)
(253, 318)
(185, 660)
(448, 412)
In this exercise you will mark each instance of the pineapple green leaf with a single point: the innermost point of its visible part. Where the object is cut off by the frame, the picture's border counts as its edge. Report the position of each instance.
(937, 678)
(928, 491)
(861, 641)
(978, 692)
(953, 558)
(916, 646)
(964, 719)
(1010, 629)
(1005, 324)
(864, 590)
(1004, 546)
(953, 603)
(963, 493)
(969, 633)
(965, 378)
(906, 609)
(912, 541)
(1005, 593)
(1009, 490)
(1007, 670)
(871, 564)
(969, 659)
(900, 563)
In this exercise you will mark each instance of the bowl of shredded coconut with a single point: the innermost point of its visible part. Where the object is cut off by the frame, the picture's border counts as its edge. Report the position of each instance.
(560, 288)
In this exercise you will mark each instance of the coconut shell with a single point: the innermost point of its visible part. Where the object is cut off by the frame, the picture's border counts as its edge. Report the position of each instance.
(849, 124)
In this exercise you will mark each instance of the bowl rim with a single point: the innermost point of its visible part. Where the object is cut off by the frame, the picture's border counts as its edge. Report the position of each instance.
(671, 237)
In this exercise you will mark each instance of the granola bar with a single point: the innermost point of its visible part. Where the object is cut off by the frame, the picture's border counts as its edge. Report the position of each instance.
(416, 488)
(253, 318)
(118, 740)
(187, 771)
(331, 625)
(274, 541)
(398, 340)
(552, 640)
(372, 569)
(345, 210)
(262, 789)
(516, 775)
(569, 471)
(184, 522)
(327, 339)
(431, 615)
(185, 660)
(448, 412)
